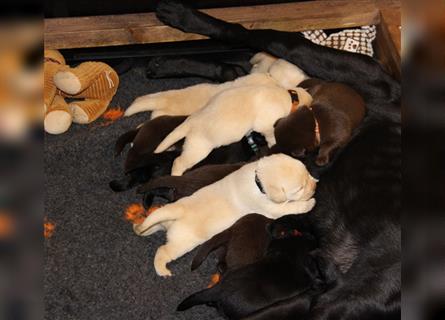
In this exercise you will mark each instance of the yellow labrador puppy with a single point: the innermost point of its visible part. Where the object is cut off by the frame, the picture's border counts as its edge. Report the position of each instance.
(261, 62)
(273, 186)
(227, 118)
(183, 102)
(191, 99)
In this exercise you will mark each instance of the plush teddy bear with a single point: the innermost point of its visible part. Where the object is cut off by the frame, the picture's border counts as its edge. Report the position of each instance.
(90, 86)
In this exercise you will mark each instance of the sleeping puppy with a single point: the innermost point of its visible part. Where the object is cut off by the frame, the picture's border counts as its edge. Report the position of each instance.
(261, 62)
(173, 188)
(243, 243)
(191, 99)
(246, 241)
(145, 139)
(142, 164)
(286, 270)
(328, 123)
(272, 186)
(228, 118)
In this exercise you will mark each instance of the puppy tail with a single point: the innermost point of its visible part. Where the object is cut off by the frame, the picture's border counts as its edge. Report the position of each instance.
(174, 136)
(202, 297)
(209, 246)
(164, 214)
(148, 102)
(123, 140)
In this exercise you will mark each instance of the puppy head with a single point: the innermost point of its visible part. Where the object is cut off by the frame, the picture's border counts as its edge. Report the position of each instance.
(289, 226)
(288, 75)
(298, 250)
(285, 179)
(295, 134)
(261, 62)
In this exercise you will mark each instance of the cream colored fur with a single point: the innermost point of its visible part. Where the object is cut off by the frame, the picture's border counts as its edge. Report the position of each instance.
(288, 75)
(261, 62)
(193, 220)
(183, 102)
(191, 99)
(227, 118)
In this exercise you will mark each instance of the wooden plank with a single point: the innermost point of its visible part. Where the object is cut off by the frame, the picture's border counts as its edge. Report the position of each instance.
(386, 51)
(99, 31)
(391, 14)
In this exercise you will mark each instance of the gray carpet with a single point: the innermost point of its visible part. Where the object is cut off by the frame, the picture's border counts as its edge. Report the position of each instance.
(95, 266)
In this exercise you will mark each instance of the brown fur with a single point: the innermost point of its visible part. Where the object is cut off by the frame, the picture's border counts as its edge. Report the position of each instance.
(336, 107)
(176, 187)
(146, 138)
(243, 243)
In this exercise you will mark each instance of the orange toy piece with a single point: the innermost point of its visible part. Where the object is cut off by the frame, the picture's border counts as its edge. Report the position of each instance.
(48, 228)
(136, 214)
(214, 280)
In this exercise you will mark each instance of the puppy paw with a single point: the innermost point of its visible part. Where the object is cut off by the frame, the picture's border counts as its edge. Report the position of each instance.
(173, 13)
(162, 270)
(156, 68)
(138, 229)
(309, 205)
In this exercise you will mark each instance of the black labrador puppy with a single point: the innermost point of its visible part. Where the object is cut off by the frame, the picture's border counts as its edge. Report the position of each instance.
(287, 269)
(357, 216)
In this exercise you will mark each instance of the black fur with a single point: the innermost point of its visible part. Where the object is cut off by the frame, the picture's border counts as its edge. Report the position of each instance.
(357, 215)
(165, 67)
(286, 270)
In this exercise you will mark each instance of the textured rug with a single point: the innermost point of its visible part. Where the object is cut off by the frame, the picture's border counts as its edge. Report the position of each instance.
(95, 266)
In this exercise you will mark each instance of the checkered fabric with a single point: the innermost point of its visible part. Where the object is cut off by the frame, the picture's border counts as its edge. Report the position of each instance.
(353, 40)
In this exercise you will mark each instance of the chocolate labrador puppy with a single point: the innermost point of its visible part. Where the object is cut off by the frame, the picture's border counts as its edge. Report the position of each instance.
(328, 123)
(245, 242)
(287, 269)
